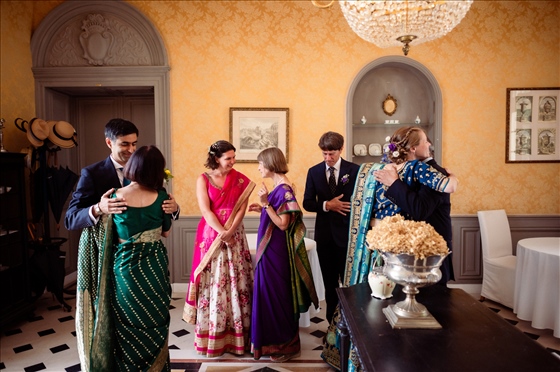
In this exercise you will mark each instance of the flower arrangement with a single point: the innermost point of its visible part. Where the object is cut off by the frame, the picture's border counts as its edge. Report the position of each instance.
(167, 176)
(345, 179)
(392, 147)
(399, 236)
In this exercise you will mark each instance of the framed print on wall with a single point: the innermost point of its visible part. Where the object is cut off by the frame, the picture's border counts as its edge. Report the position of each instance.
(252, 130)
(532, 125)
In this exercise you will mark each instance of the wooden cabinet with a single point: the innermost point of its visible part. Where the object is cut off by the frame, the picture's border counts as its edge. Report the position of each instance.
(14, 276)
(390, 93)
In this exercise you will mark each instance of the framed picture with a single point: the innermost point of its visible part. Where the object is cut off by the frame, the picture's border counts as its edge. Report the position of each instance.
(532, 125)
(252, 130)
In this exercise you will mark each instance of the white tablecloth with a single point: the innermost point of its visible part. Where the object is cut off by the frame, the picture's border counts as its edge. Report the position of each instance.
(537, 283)
(311, 246)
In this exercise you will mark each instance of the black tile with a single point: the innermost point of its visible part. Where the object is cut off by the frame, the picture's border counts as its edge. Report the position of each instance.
(181, 333)
(23, 348)
(35, 318)
(318, 334)
(73, 333)
(59, 348)
(494, 309)
(54, 307)
(74, 368)
(532, 335)
(173, 347)
(316, 320)
(320, 347)
(46, 332)
(35, 367)
(2, 366)
(186, 366)
(171, 307)
(12, 332)
(511, 321)
(66, 319)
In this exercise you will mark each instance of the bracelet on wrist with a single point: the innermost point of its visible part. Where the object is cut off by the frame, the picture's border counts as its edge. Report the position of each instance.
(266, 205)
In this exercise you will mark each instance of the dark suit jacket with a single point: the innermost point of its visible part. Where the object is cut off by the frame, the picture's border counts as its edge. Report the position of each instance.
(95, 180)
(317, 191)
(421, 203)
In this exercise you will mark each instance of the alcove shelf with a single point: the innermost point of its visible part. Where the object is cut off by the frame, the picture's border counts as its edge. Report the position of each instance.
(415, 92)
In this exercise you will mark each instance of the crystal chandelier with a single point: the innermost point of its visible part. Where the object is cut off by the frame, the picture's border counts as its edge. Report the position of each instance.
(394, 23)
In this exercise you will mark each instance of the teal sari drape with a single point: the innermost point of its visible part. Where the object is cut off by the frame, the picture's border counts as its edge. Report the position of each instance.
(359, 258)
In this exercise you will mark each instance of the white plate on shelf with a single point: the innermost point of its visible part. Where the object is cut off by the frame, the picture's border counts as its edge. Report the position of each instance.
(374, 149)
(360, 150)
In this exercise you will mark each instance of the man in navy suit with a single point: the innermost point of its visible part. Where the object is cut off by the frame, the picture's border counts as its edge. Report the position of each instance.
(332, 221)
(422, 203)
(97, 181)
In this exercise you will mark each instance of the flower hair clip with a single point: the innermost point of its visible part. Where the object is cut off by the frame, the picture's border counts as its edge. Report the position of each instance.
(393, 149)
(210, 149)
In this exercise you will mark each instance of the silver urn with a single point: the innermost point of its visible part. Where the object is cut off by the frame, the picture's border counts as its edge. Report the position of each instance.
(411, 273)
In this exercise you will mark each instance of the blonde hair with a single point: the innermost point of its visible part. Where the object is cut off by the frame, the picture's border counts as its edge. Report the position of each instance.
(401, 142)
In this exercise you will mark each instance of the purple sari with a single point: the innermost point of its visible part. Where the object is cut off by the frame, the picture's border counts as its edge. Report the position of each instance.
(283, 284)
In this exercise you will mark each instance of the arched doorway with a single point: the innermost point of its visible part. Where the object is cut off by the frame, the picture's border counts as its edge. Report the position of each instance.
(104, 52)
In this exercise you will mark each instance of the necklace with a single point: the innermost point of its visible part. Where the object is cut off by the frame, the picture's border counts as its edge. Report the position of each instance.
(280, 181)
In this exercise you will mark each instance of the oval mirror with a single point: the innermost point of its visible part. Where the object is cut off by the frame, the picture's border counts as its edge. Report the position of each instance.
(389, 105)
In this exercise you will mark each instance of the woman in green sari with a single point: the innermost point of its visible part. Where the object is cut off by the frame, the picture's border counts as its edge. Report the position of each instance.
(124, 292)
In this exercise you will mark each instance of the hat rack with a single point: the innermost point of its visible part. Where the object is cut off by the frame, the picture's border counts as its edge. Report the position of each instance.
(46, 137)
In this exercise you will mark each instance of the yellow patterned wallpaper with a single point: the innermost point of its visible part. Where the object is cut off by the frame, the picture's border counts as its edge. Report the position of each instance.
(290, 54)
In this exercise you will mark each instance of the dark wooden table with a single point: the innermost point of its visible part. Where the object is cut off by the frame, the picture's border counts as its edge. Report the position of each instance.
(472, 338)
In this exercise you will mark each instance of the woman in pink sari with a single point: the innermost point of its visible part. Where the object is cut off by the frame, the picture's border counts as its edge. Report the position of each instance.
(221, 286)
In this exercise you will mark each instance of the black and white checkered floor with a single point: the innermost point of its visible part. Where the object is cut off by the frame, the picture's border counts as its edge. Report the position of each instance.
(46, 342)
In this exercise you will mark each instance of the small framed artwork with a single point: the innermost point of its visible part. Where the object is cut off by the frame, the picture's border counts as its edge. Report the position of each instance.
(532, 125)
(252, 130)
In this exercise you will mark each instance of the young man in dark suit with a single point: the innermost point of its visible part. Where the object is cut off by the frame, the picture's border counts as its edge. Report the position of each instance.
(421, 203)
(329, 196)
(97, 181)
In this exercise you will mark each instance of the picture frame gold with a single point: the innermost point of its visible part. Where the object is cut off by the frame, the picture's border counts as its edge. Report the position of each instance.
(532, 125)
(389, 105)
(253, 129)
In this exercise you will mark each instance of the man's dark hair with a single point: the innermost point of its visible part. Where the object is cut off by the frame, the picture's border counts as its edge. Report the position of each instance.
(116, 128)
(146, 166)
(331, 141)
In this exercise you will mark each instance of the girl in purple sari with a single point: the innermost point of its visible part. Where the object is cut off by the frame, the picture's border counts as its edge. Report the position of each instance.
(283, 281)
(219, 296)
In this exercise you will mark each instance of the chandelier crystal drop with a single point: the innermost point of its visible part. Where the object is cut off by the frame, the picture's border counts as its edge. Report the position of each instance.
(394, 23)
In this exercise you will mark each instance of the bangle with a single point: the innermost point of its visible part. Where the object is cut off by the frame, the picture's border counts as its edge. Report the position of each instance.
(266, 205)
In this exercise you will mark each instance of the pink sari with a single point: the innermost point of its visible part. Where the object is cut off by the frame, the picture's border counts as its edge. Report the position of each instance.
(219, 297)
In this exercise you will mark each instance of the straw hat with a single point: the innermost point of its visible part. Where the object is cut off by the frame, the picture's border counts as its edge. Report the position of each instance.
(37, 131)
(63, 134)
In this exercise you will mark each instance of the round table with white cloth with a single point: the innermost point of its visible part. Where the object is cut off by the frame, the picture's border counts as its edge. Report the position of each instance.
(537, 281)
(311, 247)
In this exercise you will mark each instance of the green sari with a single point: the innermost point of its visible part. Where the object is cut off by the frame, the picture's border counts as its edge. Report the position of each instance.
(124, 292)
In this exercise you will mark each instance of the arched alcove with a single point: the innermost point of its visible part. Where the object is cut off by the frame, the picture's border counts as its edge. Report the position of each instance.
(416, 91)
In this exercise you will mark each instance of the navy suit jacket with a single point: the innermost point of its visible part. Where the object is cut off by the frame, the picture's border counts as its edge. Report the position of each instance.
(421, 203)
(317, 191)
(95, 180)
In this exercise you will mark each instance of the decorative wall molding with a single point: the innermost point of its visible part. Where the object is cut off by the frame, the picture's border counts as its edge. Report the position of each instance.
(97, 33)
(467, 256)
